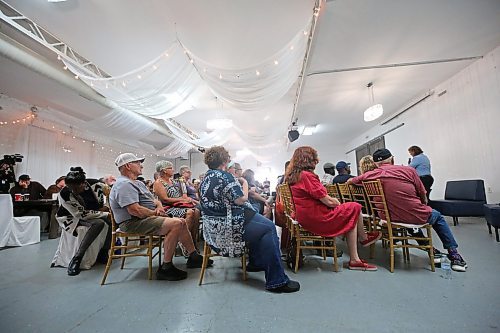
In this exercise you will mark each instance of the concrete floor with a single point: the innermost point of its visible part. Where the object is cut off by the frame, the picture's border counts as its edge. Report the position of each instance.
(36, 298)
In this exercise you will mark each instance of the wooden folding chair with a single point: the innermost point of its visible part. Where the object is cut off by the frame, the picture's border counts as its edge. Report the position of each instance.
(303, 238)
(344, 192)
(333, 191)
(394, 231)
(369, 220)
(132, 242)
(207, 253)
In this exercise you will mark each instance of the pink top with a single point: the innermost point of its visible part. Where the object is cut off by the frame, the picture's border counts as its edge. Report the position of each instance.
(403, 189)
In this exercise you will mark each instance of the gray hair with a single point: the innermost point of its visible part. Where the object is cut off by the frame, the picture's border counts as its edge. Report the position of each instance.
(386, 161)
(183, 168)
(160, 165)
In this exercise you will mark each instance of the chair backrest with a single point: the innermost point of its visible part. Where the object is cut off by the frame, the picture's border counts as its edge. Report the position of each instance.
(376, 199)
(333, 191)
(358, 195)
(344, 192)
(472, 190)
(286, 197)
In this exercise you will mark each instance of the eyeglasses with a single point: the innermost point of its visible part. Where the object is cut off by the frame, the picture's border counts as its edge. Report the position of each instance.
(238, 169)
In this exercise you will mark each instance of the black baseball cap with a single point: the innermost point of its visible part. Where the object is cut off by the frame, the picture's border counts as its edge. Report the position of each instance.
(24, 177)
(381, 154)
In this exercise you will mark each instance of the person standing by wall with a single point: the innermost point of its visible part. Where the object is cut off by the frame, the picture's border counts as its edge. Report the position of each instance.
(421, 163)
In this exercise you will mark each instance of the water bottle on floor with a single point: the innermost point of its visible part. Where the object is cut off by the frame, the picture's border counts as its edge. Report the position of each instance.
(446, 268)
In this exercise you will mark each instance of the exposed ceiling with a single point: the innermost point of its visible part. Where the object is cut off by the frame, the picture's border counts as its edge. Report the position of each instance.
(121, 35)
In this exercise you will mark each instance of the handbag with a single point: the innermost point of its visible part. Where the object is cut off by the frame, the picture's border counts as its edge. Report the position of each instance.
(183, 205)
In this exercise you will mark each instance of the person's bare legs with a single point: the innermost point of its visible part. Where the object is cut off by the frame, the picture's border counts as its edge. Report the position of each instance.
(184, 237)
(361, 228)
(193, 223)
(352, 243)
(170, 229)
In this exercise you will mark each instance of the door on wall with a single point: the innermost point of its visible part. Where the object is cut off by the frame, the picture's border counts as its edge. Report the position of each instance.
(368, 149)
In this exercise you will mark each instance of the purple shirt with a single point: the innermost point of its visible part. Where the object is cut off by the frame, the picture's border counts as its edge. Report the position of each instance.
(403, 190)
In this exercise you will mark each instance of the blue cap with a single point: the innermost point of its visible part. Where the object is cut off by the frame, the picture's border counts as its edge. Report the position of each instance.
(342, 165)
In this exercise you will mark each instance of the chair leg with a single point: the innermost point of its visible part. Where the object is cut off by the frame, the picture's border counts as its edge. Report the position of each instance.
(496, 234)
(150, 258)
(455, 221)
(124, 252)
(244, 266)
(297, 254)
(206, 255)
(372, 251)
(489, 227)
(335, 260)
(391, 248)
(110, 259)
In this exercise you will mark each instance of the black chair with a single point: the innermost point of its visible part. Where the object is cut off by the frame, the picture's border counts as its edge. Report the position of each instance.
(462, 198)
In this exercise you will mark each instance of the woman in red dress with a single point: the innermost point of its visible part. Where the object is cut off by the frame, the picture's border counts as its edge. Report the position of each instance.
(323, 215)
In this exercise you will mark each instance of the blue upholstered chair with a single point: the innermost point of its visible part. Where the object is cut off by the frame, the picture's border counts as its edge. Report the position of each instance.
(462, 198)
(492, 215)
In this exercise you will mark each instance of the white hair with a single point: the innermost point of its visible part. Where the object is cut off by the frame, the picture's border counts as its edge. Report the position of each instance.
(386, 161)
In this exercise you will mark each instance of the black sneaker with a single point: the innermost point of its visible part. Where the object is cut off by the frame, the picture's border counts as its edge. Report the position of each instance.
(171, 273)
(290, 287)
(458, 264)
(195, 260)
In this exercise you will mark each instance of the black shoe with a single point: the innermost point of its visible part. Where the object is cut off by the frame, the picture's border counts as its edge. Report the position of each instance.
(253, 268)
(195, 260)
(290, 287)
(171, 273)
(74, 266)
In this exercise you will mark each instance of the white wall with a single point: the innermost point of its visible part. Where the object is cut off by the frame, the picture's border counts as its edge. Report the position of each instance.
(459, 131)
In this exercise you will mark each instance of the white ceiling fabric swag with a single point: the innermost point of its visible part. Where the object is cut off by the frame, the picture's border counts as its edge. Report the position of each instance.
(255, 88)
(157, 89)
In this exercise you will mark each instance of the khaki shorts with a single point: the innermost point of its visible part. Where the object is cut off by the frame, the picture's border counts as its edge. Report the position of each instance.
(147, 226)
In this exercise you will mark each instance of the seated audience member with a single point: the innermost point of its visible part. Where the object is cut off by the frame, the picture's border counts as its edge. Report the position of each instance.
(35, 191)
(185, 176)
(168, 192)
(230, 222)
(74, 211)
(407, 201)
(256, 199)
(344, 170)
(329, 170)
(109, 180)
(323, 215)
(55, 188)
(366, 164)
(136, 210)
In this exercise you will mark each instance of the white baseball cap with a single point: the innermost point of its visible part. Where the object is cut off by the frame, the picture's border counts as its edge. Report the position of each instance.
(125, 158)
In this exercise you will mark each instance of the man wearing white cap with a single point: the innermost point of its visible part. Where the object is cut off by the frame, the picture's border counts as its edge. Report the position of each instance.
(136, 210)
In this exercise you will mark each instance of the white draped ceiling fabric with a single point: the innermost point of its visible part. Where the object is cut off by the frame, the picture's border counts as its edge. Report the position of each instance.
(160, 89)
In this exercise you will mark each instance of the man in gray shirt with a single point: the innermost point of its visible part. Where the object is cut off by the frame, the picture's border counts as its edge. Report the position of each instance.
(135, 210)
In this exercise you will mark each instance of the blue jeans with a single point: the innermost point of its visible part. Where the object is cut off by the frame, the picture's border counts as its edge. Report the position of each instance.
(438, 223)
(262, 241)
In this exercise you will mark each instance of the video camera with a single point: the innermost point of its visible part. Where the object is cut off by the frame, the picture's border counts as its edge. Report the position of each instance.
(7, 175)
(12, 159)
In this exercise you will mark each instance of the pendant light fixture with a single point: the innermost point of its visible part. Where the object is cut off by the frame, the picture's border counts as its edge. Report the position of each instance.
(374, 111)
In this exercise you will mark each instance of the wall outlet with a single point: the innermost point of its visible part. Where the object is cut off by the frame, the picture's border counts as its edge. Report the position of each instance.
(489, 190)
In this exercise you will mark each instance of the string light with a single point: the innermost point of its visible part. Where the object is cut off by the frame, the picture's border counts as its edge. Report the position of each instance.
(276, 62)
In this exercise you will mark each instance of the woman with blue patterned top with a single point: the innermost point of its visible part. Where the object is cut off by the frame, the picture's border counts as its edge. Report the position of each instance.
(230, 223)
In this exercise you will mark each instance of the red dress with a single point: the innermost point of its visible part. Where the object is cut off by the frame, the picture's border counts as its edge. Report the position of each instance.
(315, 216)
